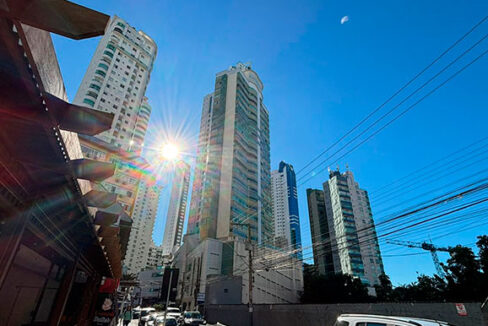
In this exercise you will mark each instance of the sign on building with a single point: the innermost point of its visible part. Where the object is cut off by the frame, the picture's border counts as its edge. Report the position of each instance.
(461, 309)
(201, 297)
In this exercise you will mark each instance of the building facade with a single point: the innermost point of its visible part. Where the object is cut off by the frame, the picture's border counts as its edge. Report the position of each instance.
(116, 82)
(126, 178)
(143, 217)
(355, 248)
(208, 266)
(57, 250)
(319, 227)
(175, 219)
(154, 257)
(232, 178)
(285, 209)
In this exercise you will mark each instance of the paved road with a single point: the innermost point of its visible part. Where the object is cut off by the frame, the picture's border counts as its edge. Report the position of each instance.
(134, 322)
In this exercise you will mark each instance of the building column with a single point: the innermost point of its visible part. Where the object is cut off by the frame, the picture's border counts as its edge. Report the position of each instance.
(63, 294)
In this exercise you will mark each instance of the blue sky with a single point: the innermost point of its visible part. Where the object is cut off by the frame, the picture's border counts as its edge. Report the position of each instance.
(321, 77)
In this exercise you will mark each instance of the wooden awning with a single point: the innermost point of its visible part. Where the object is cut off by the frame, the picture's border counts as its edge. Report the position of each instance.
(57, 16)
(101, 199)
(92, 170)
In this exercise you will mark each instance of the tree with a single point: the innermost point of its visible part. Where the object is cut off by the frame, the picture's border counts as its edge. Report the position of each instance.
(385, 289)
(426, 288)
(333, 288)
(483, 252)
(463, 275)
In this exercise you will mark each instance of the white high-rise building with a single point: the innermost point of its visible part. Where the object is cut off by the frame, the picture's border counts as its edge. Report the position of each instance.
(352, 230)
(154, 257)
(175, 219)
(233, 176)
(285, 209)
(143, 217)
(116, 82)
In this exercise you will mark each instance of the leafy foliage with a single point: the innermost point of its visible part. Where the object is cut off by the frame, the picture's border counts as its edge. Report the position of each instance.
(466, 280)
(332, 288)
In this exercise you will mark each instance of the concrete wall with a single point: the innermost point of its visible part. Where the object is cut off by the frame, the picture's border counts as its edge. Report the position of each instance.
(224, 290)
(325, 315)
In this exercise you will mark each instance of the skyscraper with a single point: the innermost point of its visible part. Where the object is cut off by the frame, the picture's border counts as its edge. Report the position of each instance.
(116, 82)
(173, 231)
(322, 249)
(285, 208)
(143, 217)
(232, 178)
(355, 248)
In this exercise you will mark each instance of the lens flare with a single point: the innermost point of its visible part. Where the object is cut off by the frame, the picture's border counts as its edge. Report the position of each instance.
(170, 151)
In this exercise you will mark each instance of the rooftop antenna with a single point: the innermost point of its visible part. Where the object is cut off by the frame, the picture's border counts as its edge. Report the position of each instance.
(337, 167)
(347, 167)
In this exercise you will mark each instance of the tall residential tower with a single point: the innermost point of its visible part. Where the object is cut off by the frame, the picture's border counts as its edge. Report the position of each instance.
(116, 82)
(143, 216)
(319, 227)
(232, 178)
(285, 209)
(173, 231)
(355, 248)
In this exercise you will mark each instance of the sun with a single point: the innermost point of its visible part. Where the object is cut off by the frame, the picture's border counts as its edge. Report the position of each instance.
(170, 151)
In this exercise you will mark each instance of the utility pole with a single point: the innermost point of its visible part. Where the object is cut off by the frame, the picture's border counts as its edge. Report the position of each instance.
(250, 249)
(169, 292)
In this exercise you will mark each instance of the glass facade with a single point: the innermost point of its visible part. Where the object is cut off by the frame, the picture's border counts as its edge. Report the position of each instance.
(232, 175)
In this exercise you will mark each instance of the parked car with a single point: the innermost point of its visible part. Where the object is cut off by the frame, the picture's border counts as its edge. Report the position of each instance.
(173, 312)
(377, 320)
(147, 314)
(193, 318)
(170, 321)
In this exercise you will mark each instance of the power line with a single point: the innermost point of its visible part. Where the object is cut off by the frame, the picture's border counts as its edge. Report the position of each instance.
(431, 164)
(425, 207)
(397, 92)
(406, 110)
(435, 201)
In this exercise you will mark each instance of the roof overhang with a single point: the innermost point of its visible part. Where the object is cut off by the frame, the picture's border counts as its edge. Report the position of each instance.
(57, 16)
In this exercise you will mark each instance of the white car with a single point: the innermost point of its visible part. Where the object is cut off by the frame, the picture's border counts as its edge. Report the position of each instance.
(173, 312)
(377, 320)
(170, 321)
(193, 318)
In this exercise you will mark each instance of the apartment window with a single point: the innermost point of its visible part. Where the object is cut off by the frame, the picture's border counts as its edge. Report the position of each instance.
(110, 54)
(101, 73)
(89, 102)
(103, 66)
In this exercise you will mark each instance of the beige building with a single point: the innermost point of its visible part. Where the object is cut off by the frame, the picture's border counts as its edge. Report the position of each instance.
(116, 82)
(143, 217)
